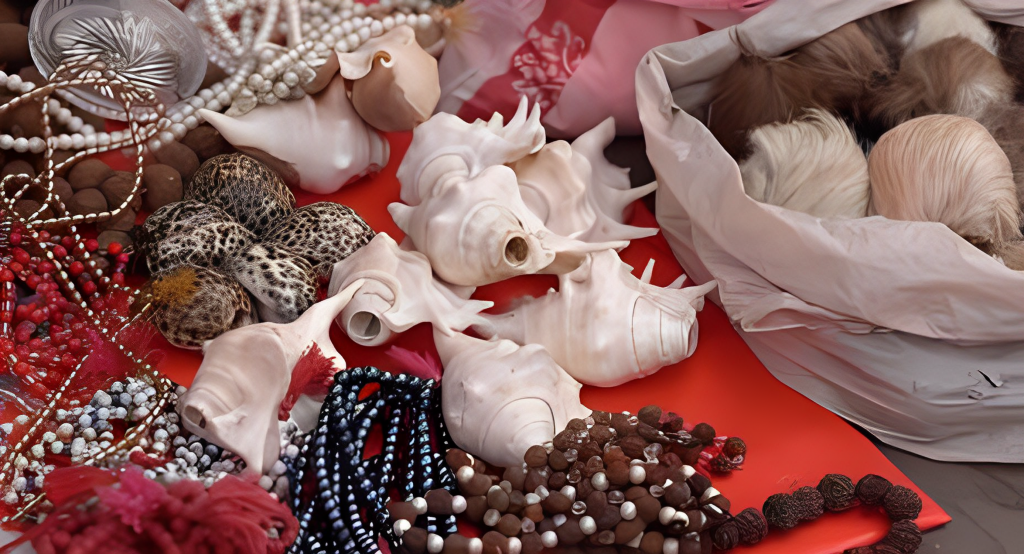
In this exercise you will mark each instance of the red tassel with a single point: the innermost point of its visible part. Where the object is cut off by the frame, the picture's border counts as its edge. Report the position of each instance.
(418, 365)
(312, 376)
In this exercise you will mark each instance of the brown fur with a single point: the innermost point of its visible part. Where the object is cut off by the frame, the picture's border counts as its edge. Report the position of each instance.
(1012, 254)
(933, 80)
(885, 30)
(1011, 54)
(831, 73)
(1006, 124)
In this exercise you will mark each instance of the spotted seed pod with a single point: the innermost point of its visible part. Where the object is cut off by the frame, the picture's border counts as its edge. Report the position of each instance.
(727, 536)
(284, 285)
(839, 492)
(902, 503)
(780, 511)
(190, 233)
(245, 188)
(871, 489)
(190, 305)
(323, 233)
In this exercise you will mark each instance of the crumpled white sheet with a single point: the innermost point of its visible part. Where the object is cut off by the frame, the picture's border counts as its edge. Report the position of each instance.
(902, 328)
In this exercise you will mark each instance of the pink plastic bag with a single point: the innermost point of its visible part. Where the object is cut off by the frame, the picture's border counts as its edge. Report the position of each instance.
(903, 328)
(576, 58)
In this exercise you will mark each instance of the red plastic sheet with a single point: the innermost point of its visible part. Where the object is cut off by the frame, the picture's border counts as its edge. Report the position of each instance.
(791, 441)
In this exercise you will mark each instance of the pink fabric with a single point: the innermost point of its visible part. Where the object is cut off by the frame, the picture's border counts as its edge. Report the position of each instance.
(576, 57)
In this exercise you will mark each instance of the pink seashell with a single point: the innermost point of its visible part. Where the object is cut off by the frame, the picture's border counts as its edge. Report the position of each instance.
(238, 389)
(605, 326)
(399, 291)
(395, 84)
(499, 399)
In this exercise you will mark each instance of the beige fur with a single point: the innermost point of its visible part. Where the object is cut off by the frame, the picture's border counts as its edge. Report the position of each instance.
(1006, 124)
(832, 73)
(812, 165)
(950, 170)
(937, 20)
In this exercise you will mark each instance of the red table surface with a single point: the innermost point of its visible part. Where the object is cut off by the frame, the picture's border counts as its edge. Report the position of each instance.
(791, 441)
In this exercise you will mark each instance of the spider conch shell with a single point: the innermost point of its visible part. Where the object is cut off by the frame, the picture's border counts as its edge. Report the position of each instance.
(318, 140)
(245, 374)
(462, 205)
(605, 326)
(578, 193)
(399, 291)
(395, 85)
(499, 399)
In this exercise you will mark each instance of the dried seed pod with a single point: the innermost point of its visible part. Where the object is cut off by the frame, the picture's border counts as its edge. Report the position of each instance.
(752, 526)
(726, 536)
(704, 433)
(904, 536)
(192, 305)
(902, 503)
(245, 188)
(839, 492)
(808, 503)
(780, 512)
(650, 415)
(871, 489)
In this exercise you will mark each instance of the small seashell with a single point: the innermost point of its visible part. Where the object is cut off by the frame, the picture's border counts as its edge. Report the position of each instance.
(324, 233)
(284, 285)
(190, 233)
(395, 84)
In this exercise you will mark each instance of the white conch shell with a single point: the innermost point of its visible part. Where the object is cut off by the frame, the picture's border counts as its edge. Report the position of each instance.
(395, 82)
(499, 399)
(463, 209)
(605, 326)
(399, 291)
(245, 374)
(320, 137)
(578, 193)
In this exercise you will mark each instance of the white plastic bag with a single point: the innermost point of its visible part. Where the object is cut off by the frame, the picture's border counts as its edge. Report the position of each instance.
(901, 327)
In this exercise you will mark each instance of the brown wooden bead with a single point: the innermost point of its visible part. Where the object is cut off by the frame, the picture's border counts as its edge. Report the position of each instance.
(456, 544)
(516, 477)
(531, 543)
(457, 458)
(477, 485)
(163, 186)
(569, 533)
(677, 495)
(596, 502)
(609, 517)
(633, 446)
(535, 512)
(516, 502)
(696, 521)
(652, 543)
(415, 540)
(556, 503)
(637, 492)
(495, 543)
(601, 434)
(206, 142)
(557, 460)
(476, 507)
(87, 201)
(647, 508)
(89, 173)
(618, 474)
(535, 478)
(614, 455)
(557, 480)
(180, 157)
(536, 457)
(439, 502)
(651, 415)
(509, 525)
(622, 425)
(628, 530)
(402, 510)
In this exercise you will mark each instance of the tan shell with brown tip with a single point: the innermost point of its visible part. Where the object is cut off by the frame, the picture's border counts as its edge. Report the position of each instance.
(395, 84)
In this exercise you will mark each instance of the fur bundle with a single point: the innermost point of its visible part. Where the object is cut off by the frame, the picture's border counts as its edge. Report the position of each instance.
(812, 165)
(937, 20)
(831, 73)
(950, 170)
(1006, 124)
(952, 76)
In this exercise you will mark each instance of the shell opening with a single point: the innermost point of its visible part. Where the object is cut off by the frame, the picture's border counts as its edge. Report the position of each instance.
(195, 416)
(516, 251)
(364, 326)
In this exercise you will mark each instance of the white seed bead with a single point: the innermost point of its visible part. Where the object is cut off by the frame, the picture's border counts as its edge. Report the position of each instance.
(670, 546)
(549, 539)
(36, 145)
(637, 475)
(459, 504)
(6, 142)
(627, 510)
(434, 544)
(77, 141)
(21, 144)
(420, 505)
(57, 447)
(587, 525)
(666, 514)
(75, 124)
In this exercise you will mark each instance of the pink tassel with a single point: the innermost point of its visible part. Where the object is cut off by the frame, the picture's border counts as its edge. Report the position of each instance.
(418, 365)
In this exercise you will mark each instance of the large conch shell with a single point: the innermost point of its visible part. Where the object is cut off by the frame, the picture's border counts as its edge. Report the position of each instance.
(576, 192)
(395, 85)
(605, 326)
(499, 399)
(399, 291)
(245, 374)
(318, 140)
(462, 205)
